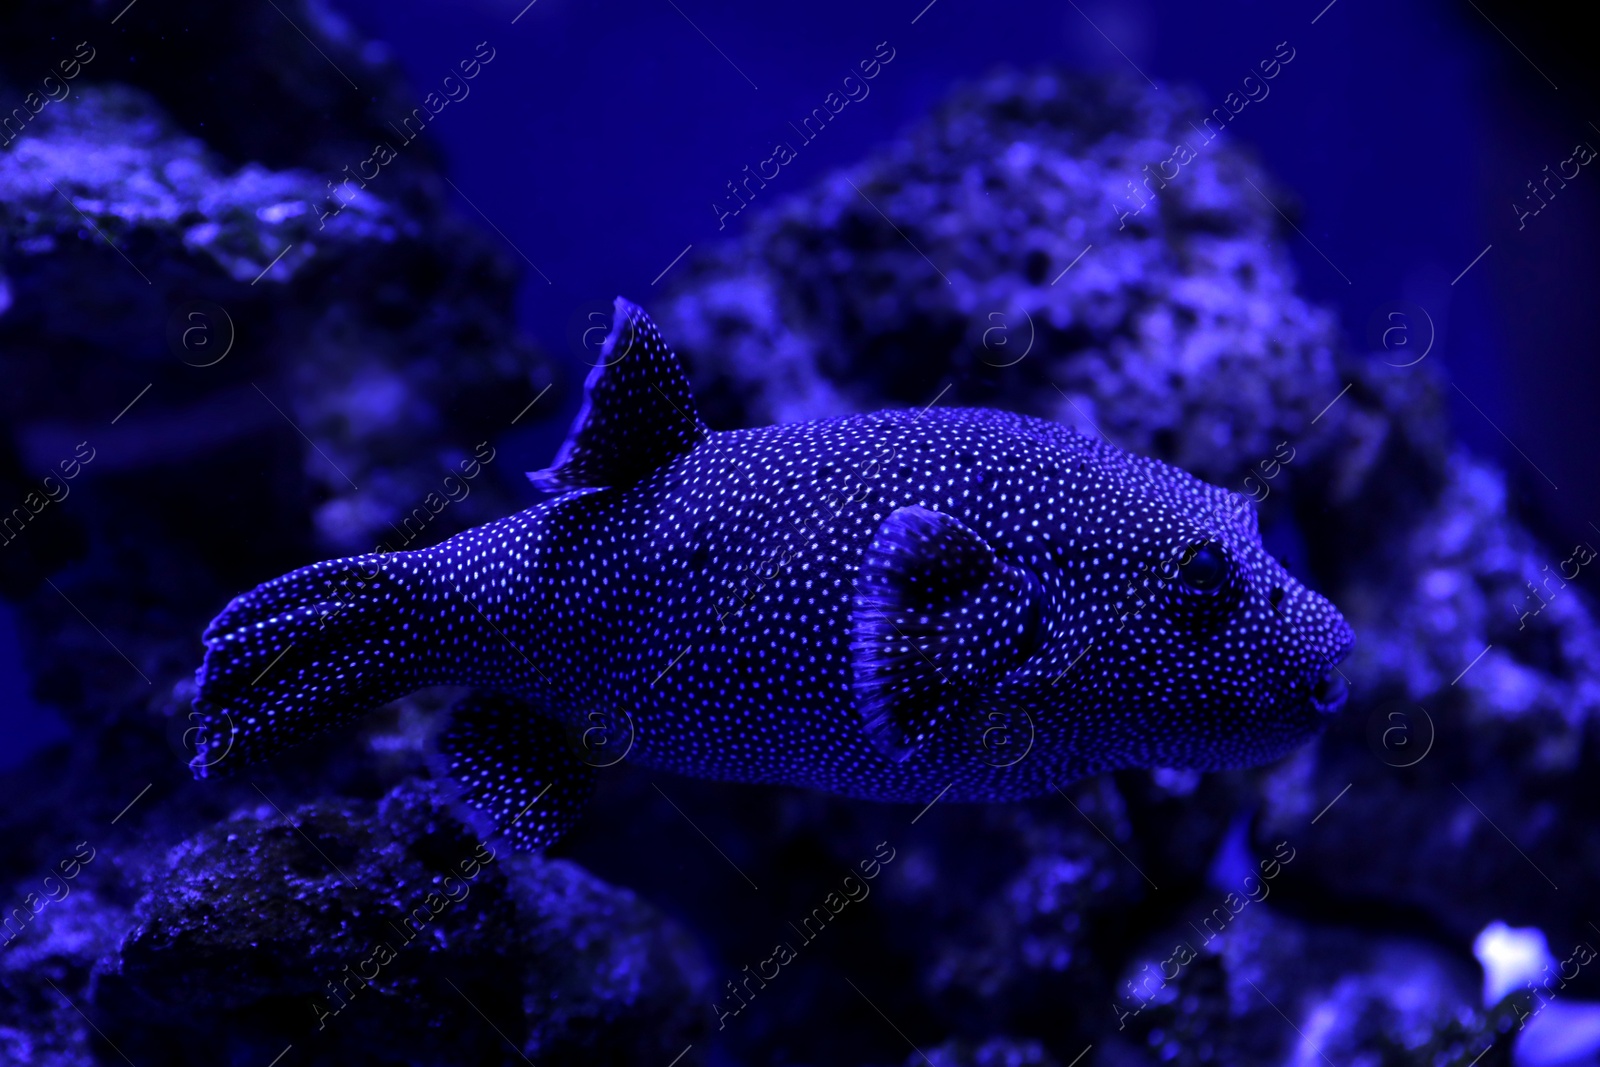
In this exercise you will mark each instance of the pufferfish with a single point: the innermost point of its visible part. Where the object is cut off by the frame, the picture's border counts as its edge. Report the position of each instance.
(964, 604)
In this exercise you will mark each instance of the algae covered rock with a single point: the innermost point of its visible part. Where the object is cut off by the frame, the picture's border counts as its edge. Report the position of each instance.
(172, 318)
(1009, 247)
(391, 931)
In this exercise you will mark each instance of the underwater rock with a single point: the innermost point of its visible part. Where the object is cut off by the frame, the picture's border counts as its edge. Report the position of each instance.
(311, 88)
(950, 260)
(1468, 760)
(1272, 989)
(174, 319)
(115, 162)
(355, 930)
(992, 919)
(205, 371)
(608, 979)
(995, 1052)
(1031, 940)
(1013, 271)
(938, 270)
(45, 970)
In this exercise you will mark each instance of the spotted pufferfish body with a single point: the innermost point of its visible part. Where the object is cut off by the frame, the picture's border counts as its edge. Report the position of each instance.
(947, 602)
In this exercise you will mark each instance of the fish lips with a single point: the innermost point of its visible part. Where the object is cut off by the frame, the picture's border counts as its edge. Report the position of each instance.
(1330, 692)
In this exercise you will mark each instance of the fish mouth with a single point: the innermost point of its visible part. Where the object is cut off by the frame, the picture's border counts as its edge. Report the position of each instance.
(1329, 693)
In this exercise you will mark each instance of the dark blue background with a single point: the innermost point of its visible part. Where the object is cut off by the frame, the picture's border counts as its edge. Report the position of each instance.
(599, 137)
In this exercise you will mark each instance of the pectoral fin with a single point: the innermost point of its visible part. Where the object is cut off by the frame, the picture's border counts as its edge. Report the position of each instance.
(937, 616)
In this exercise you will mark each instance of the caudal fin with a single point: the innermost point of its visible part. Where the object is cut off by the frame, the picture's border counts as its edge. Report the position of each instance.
(303, 653)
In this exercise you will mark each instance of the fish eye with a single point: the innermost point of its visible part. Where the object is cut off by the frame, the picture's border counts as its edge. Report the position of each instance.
(1204, 569)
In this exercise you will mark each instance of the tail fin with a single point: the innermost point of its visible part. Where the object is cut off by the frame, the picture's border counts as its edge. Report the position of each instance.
(306, 652)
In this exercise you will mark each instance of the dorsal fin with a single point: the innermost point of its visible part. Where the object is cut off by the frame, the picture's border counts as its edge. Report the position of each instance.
(638, 413)
(937, 616)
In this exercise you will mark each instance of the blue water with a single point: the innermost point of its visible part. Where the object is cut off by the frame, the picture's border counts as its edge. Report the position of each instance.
(28, 726)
